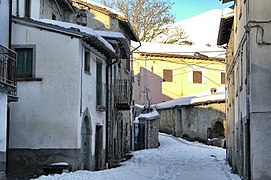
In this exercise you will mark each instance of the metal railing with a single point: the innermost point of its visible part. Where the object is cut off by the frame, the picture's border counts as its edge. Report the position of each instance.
(8, 70)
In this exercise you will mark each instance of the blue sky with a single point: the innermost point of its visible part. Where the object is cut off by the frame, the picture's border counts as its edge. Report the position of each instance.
(184, 9)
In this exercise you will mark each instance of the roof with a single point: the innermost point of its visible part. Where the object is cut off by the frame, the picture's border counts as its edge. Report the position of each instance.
(226, 23)
(205, 97)
(118, 36)
(147, 116)
(226, 1)
(225, 27)
(87, 34)
(180, 51)
(113, 13)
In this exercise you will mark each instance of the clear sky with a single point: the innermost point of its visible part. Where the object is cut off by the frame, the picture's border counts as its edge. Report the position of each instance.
(184, 9)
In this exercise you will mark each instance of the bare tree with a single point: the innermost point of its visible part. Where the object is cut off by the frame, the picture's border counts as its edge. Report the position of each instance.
(173, 35)
(148, 17)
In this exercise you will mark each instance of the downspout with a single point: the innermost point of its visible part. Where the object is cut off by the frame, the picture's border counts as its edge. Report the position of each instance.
(10, 24)
(136, 47)
(248, 91)
(8, 108)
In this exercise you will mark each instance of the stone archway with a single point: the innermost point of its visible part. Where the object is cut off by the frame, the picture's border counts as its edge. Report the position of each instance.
(218, 130)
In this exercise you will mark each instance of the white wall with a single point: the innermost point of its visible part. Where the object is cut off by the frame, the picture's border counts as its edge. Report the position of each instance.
(46, 115)
(4, 19)
(19, 8)
(3, 121)
(89, 95)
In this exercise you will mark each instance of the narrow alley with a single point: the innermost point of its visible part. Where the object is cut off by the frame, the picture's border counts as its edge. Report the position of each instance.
(174, 159)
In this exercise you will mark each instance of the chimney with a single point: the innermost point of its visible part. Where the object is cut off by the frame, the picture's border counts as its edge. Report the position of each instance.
(213, 90)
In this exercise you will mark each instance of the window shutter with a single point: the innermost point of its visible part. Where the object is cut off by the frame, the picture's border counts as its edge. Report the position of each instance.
(197, 77)
(24, 62)
(223, 78)
(167, 75)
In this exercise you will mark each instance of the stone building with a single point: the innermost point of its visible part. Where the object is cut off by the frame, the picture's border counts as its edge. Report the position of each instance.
(198, 117)
(146, 130)
(100, 119)
(245, 32)
(119, 116)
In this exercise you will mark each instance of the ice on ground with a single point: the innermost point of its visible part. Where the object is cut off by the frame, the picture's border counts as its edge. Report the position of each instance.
(175, 159)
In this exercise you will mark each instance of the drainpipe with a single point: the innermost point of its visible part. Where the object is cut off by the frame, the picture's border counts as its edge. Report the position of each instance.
(136, 47)
(10, 24)
(248, 91)
(8, 108)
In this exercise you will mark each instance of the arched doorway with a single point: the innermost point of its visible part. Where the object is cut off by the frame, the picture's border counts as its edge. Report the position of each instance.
(218, 130)
(86, 142)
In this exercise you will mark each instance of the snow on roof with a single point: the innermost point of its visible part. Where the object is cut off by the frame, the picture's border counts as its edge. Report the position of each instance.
(139, 106)
(148, 116)
(227, 12)
(60, 164)
(110, 34)
(86, 30)
(105, 7)
(201, 97)
(150, 47)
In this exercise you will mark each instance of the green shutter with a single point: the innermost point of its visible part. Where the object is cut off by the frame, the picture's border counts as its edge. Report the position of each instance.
(24, 62)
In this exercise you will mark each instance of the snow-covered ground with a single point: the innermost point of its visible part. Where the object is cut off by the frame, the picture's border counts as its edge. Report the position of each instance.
(175, 159)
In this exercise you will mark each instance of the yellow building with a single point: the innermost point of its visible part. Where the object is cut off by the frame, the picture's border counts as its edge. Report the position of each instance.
(164, 72)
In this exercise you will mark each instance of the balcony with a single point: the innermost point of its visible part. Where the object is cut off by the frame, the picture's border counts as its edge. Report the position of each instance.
(8, 72)
(123, 90)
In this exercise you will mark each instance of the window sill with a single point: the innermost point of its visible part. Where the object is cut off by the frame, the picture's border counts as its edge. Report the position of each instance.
(29, 79)
(88, 73)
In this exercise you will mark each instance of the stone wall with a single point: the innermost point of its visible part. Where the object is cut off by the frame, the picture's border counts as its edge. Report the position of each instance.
(193, 122)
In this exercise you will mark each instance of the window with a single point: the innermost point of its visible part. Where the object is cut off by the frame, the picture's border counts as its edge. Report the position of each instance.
(53, 17)
(100, 88)
(87, 61)
(197, 77)
(167, 75)
(24, 62)
(27, 5)
(222, 78)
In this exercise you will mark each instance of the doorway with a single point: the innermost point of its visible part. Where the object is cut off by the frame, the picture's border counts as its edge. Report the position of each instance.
(86, 142)
(99, 147)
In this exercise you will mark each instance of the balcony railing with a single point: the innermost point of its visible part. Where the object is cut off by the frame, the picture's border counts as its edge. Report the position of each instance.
(7, 71)
(100, 96)
(122, 93)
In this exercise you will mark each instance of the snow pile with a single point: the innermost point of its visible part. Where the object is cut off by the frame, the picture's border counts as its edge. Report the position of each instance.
(83, 29)
(60, 164)
(149, 116)
(175, 159)
(201, 97)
